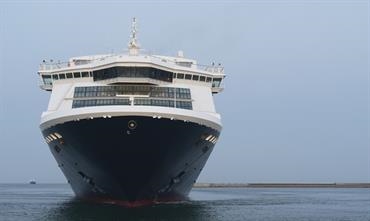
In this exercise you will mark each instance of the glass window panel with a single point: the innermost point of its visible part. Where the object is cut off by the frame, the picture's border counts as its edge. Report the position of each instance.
(76, 74)
(47, 79)
(216, 82)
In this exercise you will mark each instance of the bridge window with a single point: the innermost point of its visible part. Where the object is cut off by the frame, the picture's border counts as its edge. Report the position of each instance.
(69, 75)
(132, 72)
(85, 74)
(180, 76)
(216, 82)
(47, 79)
(62, 76)
(188, 76)
(195, 77)
(202, 78)
(76, 75)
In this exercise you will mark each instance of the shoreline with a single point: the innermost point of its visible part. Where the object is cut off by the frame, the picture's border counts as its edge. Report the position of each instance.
(281, 185)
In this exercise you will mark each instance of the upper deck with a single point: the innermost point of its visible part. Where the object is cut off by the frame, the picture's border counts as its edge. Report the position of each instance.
(131, 68)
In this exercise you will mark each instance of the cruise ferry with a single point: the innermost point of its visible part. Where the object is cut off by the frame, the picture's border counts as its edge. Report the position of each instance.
(131, 128)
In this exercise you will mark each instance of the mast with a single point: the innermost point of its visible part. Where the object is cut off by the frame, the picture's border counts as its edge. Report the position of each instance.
(133, 45)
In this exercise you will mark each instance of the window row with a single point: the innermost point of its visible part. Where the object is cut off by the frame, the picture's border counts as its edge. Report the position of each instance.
(99, 102)
(164, 103)
(137, 101)
(151, 91)
(154, 102)
(48, 79)
(137, 72)
(134, 72)
(216, 82)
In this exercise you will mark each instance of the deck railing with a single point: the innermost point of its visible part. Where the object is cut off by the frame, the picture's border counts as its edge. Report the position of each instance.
(55, 65)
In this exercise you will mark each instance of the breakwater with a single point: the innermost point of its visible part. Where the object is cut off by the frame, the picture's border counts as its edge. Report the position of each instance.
(282, 185)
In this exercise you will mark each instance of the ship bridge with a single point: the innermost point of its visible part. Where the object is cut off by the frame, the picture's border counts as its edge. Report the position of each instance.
(127, 68)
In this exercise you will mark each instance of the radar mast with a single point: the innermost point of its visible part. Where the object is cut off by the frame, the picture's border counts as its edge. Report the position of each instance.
(133, 45)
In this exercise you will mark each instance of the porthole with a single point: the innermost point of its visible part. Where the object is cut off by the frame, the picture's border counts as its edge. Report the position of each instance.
(132, 124)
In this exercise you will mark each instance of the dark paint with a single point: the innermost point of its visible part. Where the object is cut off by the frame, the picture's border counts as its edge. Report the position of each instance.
(111, 160)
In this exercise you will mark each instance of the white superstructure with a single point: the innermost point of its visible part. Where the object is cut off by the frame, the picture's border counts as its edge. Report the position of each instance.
(62, 79)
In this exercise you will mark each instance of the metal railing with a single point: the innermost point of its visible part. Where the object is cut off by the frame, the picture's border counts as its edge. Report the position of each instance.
(54, 65)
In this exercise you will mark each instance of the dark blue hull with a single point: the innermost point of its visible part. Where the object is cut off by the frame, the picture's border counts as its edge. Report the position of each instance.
(131, 158)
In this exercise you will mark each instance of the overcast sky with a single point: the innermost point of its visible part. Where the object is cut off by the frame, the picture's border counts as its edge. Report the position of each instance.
(296, 102)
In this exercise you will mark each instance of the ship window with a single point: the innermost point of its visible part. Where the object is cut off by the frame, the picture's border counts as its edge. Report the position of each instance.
(55, 77)
(188, 76)
(90, 73)
(183, 93)
(69, 75)
(209, 79)
(47, 79)
(202, 78)
(184, 105)
(122, 102)
(62, 76)
(156, 96)
(195, 77)
(174, 75)
(133, 72)
(85, 74)
(180, 76)
(164, 92)
(154, 102)
(216, 82)
(76, 74)
(99, 102)
(142, 101)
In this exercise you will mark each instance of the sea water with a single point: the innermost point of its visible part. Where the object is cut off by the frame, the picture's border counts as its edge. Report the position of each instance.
(20, 202)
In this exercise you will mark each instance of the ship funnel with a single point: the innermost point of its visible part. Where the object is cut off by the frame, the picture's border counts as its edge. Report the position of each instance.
(133, 45)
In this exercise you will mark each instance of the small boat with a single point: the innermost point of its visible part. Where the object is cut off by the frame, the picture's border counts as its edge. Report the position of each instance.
(32, 182)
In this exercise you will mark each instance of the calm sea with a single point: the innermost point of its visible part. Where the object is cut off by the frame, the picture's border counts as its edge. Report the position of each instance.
(56, 202)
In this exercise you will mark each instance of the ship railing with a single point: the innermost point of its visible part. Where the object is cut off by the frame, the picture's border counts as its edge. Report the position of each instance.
(53, 65)
(213, 69)
(50, 65)
(216, 69)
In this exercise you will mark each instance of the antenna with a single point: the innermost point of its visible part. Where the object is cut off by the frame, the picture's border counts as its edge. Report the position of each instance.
(133, 45)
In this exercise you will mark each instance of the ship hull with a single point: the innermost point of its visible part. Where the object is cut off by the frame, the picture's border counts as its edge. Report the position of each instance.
(132, 160)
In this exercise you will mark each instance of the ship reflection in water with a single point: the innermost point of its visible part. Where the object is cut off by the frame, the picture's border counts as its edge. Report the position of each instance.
(75, 210)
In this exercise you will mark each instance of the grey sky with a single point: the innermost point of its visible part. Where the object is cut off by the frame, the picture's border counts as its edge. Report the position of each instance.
(296, 101)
